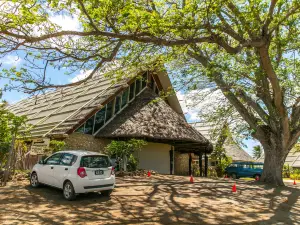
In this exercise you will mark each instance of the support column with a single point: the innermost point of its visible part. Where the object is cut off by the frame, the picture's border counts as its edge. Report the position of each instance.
(171, 160)
(205, 164)
(200, 165)
(190, 164)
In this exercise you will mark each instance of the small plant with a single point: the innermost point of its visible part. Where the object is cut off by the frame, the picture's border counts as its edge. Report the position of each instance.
(56, 146)
(132, 163)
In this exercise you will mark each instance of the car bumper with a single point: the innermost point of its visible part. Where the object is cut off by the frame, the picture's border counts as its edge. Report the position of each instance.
(85, 185)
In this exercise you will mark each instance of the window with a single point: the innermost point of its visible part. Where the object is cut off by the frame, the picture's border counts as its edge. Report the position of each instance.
(118, 104)
(151, 84)
(89, 124)
(156, 89)
(131, 93)
(67, 159)
(125, 97)
(109, 110)
(233, 165)
(80, 129)
(258, 166)
(138, 86)
(144, 80)
(95, 161)
(245, 166)
(54, 159)
(99, 119)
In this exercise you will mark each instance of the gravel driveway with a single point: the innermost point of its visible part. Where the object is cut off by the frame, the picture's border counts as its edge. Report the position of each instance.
(155, 200)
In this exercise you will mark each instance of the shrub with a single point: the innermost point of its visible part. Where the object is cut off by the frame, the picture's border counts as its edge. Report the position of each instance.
(132, 163)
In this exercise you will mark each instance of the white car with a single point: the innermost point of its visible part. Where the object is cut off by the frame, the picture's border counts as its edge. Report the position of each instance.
(75, 172)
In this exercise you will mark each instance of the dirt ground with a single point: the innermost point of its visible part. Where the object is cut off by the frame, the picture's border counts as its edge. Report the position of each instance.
(155, 200)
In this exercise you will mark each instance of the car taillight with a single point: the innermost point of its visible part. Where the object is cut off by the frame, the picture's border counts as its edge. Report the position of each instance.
(112, 171)
(81, 172)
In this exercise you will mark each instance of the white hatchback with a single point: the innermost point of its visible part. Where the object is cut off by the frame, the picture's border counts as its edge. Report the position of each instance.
(75, 172)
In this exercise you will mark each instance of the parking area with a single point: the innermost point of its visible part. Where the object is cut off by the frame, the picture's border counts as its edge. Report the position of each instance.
(155, 200)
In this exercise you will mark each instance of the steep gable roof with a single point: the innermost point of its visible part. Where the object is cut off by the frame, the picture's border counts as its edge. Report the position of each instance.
(151, 118)
(55, 113)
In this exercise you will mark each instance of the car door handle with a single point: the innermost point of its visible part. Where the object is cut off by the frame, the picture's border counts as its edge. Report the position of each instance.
(66, 168)
(52, 167)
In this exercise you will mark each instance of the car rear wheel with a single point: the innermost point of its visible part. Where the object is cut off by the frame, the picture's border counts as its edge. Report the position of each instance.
(106, 193)
(257, 177)
(34, 181)
(69, 193)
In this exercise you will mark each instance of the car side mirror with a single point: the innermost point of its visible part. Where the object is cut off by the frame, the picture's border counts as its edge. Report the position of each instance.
(41, 161)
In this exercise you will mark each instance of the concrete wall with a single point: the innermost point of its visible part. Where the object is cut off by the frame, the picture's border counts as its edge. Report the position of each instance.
(155, 156)
(77, 141)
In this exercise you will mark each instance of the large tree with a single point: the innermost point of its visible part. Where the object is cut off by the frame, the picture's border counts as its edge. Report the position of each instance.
(247, 49)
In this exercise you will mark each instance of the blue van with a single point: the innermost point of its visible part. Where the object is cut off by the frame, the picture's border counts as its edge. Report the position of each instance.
(244, 169)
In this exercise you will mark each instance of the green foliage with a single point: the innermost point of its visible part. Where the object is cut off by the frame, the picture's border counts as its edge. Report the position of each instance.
(222, 166)
(257, 152)
(56, 146)
(286, 171)
(9, 127)
(124, 148)
(295, 174)
(132, 163)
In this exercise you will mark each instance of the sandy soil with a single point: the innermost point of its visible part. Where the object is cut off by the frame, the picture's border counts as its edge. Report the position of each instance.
(155, 200)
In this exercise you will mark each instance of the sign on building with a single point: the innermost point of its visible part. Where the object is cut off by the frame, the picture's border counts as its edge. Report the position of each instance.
(39, 146)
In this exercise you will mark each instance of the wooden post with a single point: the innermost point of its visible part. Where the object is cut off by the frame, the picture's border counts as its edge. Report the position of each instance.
(190, 164)
(205, 164)
(200, 165)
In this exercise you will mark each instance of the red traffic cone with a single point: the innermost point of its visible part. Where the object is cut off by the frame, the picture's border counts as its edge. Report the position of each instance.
(148, 174)
(191, 179)
(257, 178)
(234, 188)
(294, 182)
(226, 176)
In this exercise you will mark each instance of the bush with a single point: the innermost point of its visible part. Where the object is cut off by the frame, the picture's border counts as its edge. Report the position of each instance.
(286, 172)
(295, 174)
(132, 163)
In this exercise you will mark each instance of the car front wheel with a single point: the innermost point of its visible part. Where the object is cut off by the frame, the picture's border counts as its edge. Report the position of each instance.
(34, 181)
(106, 193)
(234, 176)
(69, 193)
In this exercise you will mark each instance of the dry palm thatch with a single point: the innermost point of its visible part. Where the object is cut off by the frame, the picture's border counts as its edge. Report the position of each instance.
(151, 118)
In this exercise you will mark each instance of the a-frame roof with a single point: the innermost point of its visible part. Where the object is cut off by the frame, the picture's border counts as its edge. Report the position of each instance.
(55, 113)
(151, 118)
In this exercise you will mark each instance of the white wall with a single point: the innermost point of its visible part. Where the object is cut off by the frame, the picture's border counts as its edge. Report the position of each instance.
(155, 156)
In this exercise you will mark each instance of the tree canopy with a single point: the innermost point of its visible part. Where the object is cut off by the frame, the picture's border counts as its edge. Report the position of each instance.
(247, 49)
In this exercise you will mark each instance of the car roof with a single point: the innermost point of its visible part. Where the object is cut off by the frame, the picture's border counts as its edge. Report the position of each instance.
(81, 152)
(248, 162)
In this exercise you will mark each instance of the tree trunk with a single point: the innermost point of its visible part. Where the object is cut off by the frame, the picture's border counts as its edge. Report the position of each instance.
(275, 157)
(9, 160)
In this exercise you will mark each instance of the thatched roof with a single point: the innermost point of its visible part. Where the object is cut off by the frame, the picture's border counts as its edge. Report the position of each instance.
(151, 118)
(232, 149)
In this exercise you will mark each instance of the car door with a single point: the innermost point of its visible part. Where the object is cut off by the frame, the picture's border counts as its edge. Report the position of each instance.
(62, 170)
(46, 171)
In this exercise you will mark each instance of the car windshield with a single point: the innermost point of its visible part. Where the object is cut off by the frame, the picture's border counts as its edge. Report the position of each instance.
(95, 161)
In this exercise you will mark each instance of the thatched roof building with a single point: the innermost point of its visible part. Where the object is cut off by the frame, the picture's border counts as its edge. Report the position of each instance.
(90, 115)
(151, 118)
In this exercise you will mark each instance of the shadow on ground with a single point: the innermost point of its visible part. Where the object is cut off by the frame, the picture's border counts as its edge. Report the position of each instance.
(155, 200)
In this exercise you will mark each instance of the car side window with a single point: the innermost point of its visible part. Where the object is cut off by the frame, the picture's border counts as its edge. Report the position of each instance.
(67, 159)
(54, 159)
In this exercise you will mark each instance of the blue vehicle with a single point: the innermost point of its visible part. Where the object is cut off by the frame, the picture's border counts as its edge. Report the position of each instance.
(245, 169)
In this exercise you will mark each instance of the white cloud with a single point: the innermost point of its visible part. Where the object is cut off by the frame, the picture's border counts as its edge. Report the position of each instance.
(83, 74)
(11, 60)
(194, 103)
(66, 22)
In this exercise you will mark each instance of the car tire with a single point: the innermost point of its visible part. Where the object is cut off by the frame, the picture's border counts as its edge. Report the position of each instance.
(106, 193)
(234, 176)
(257, 177)
(68, 191)
(34, 180)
